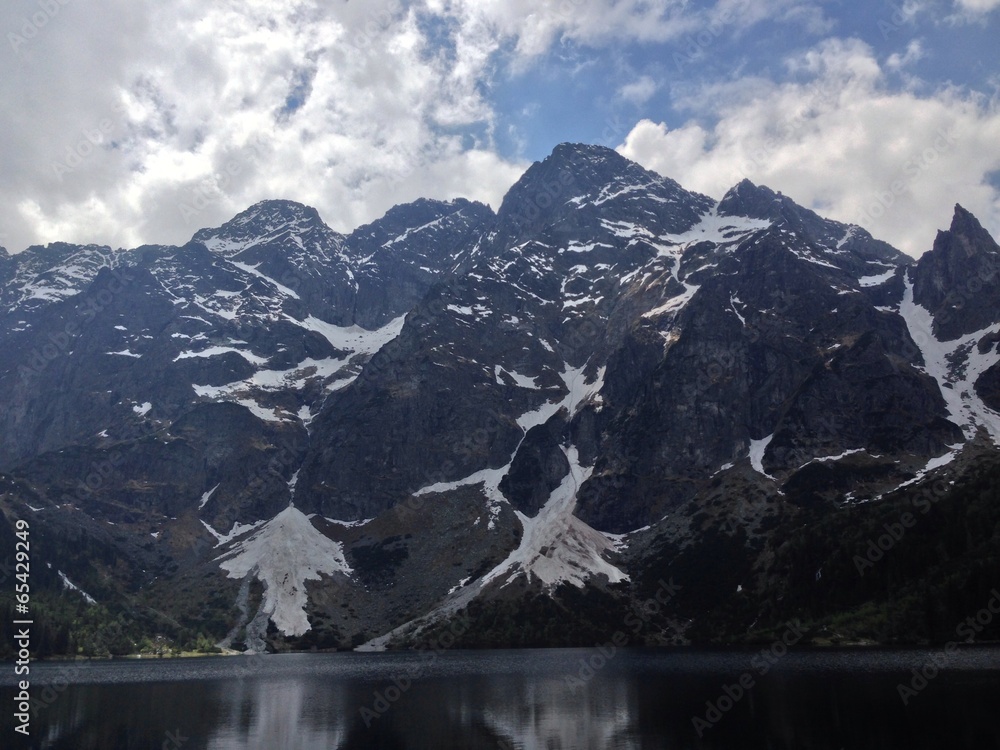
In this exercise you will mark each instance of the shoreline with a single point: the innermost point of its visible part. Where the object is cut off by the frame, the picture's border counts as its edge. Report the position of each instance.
(690, 649)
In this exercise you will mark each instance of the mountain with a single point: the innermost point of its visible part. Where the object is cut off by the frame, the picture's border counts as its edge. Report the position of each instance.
(509, 428)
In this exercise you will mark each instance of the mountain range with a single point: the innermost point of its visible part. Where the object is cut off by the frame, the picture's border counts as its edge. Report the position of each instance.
(612, 405)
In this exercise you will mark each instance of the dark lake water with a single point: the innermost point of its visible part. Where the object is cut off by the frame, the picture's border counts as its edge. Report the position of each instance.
(538, 699)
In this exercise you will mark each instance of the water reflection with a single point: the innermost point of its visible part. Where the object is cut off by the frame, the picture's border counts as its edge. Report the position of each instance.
(520, 700)
(292, 714)
(553, 714)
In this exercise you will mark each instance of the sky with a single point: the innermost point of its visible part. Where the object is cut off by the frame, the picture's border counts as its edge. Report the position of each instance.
(132, 122)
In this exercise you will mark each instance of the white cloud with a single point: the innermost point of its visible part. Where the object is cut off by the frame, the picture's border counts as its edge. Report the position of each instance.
(534, 26)
(144, 121)
(639, 91)
(971, 12)
(840, 143)
(913, 53)
(977, 6)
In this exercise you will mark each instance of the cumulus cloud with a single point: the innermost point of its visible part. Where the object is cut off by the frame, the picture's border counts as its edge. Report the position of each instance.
(135, 121)
(533, 26)
(836, 140)
(639, 91)
(142, 122)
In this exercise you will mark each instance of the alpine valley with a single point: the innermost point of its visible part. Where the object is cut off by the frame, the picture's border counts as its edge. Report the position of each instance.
(613, 410)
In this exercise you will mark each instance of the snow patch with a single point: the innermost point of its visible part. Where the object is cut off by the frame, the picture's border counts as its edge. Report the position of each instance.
(285, 553)
(214, 351)
(207, 496)
(238, 530)
(252, 270)
(557, 547)
(348, 524)
(353, 338)
(582, 301)
(838, 457)
(732, 306)
(70, 586)
(719, 229)
(263, 413)
(522, 381)
(956, 366)
(870, 281)
(851, 230)
(756, 455)
(934, 463)
(579, 391)
(579, 247)
(674, 304)
(489, 478)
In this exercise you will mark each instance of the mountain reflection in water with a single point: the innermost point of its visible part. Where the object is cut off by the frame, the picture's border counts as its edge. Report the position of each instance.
(523, 700)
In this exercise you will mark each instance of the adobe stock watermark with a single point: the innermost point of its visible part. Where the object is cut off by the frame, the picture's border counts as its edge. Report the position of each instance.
(32, 25)
(877, 548)
(213, 188)
(60, 342)
(760, 665)
(821, 90)
(967, 630)
(87, 142)
(895, 531)
(901, 16)
(636, 620)
(53, 688)
(376, 23)
(384, 699)
(96, 478)
(174, 740)
(552, 190)
(696, 44)
(956, 299)
(913, 169)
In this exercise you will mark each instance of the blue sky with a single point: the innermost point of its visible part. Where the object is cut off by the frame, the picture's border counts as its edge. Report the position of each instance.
(141, 121)
(571, 93)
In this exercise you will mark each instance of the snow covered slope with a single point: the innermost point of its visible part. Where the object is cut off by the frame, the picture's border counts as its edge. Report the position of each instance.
(283, 554)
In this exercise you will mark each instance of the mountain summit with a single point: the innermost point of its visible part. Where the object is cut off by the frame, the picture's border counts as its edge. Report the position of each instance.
(278, 436)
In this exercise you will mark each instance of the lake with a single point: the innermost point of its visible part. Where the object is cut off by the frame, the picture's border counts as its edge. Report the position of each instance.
(527, 699)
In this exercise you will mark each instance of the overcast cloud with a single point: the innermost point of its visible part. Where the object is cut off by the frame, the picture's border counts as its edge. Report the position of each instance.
(130, 122)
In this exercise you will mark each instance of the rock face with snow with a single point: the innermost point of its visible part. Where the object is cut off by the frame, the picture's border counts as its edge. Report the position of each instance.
(958, 280)
(608, 380)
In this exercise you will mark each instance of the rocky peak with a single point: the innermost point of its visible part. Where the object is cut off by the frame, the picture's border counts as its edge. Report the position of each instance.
(957, 280)
(397, 258)
(267, 220)
(409, 224)
(40, 276)
(845, 245)
(579, 193)
(618, 355)
(968, 235)
(752, 201)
